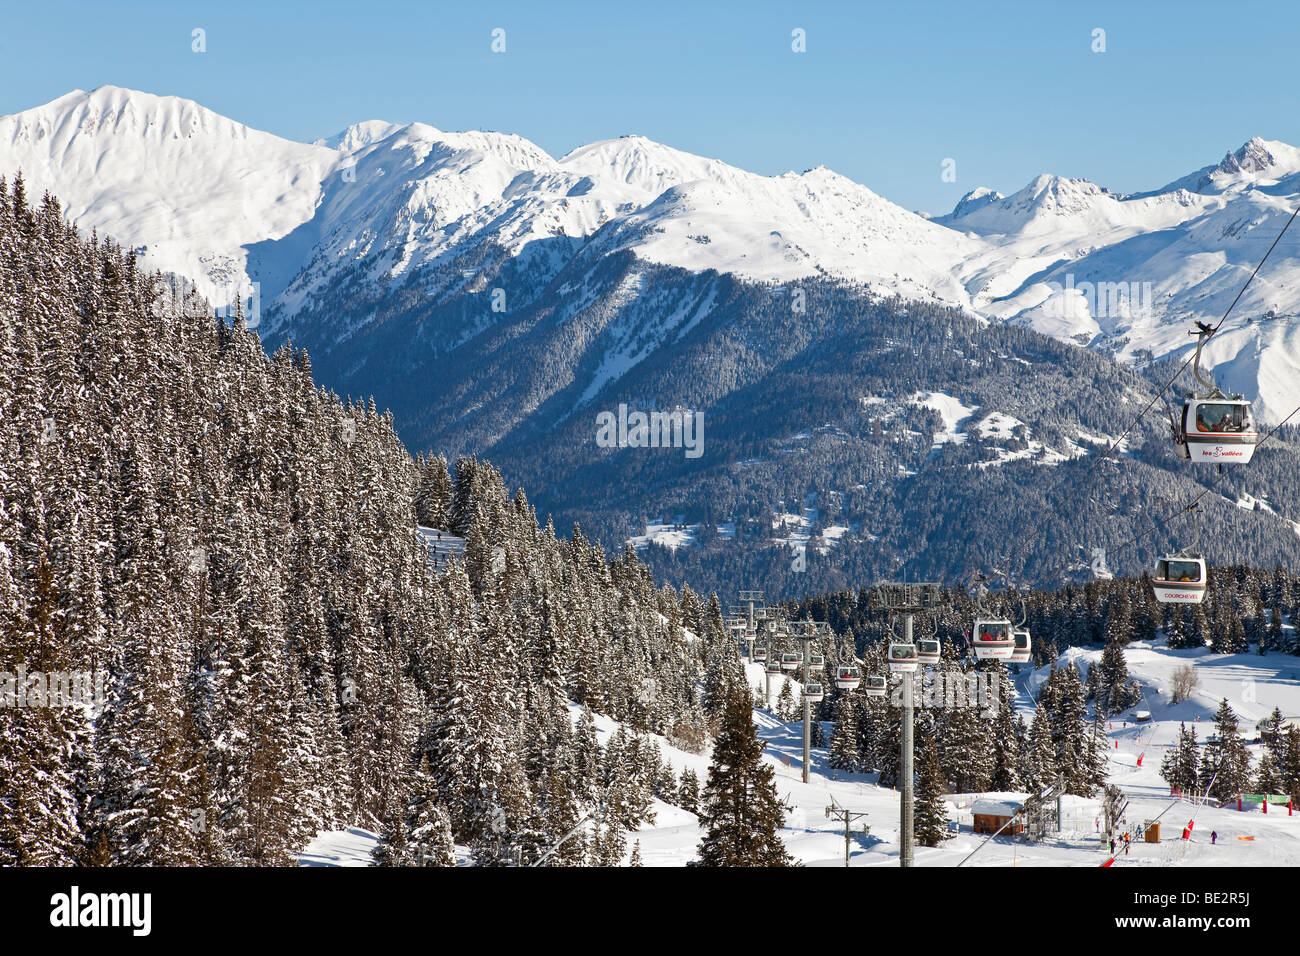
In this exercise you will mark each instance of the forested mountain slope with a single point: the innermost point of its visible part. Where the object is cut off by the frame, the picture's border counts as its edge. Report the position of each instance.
(233, 552)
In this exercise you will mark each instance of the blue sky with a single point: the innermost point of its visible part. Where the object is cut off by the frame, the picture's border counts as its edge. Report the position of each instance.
(884, 92)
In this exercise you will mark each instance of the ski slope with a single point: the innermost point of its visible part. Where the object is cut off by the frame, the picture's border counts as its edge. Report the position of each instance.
(1274, 839)
(1254, 685)
(443, 547)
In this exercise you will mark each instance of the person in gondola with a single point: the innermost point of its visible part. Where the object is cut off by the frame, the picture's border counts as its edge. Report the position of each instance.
(1200, 421)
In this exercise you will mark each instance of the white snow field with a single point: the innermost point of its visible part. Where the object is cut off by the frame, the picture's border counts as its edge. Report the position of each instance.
(442, 546)
(1254, 685)
(350, 847)
(1244, 838)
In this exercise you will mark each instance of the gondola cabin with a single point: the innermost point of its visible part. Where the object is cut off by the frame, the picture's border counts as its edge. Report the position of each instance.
(1219, 430)
(992, 640)
(847, 678)
(875, 686)
(791, 662)
(927, 651)
(1180, 579)
(816, 663)
(813, 693)
(760, 654)
(902, 658)
(1021, 654)
(774, 665)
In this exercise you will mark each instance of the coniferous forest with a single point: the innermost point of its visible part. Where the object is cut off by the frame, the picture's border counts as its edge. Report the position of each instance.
(236, 549)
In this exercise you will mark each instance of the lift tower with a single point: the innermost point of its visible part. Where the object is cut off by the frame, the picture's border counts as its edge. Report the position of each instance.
(907, 600)
(808, 631)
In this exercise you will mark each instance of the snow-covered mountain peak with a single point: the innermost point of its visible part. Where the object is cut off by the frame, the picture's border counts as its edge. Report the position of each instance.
(111, 112)
(977, 198)
(212, 199)
(1252, 157)
(359, 135)
(187, 186)
(825, 177)
(1044, 206)
(1057, 195)
(642, 169)
(457, 151)
(783, 228)
(1256, 162)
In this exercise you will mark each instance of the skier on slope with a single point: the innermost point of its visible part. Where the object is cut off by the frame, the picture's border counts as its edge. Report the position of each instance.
(1214, 837)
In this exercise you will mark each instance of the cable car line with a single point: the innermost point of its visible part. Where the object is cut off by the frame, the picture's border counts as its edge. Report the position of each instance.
(1206, 332)
(1159, 523)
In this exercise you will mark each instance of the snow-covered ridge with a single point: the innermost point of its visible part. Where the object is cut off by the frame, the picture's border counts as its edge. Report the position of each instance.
(209, 198)
(191, 188)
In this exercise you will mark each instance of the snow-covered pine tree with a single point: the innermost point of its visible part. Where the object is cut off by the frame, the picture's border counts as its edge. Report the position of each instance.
(844, 738)
(688, 791)
(930, 822)
(1180, 766)
(785, 707)
(1008, 735)
(1078, 754)
(433, 494)
(968, 757)
(1111, 685)
(1271, 735)
(1268, 776)
(1225, 768)
(1289, 763)
(741, 813)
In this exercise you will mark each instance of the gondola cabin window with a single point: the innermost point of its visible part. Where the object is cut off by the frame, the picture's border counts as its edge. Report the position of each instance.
(1226, 417)
(1186, 571)
(994, 632)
